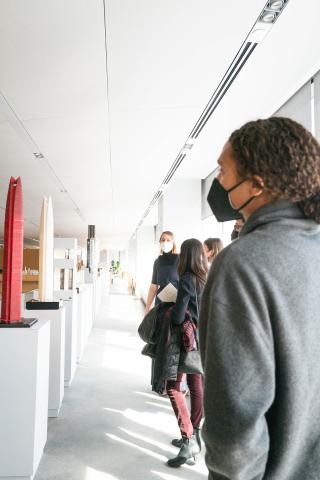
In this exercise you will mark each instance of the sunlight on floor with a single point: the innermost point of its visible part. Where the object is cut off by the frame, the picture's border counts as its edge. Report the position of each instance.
(152, 441)
(137, 447)
(158, 421)
(166, 476)
(92, 474)
(153, 396)
(119, 339)
(122, 353)
(200, 467)
(160, 405)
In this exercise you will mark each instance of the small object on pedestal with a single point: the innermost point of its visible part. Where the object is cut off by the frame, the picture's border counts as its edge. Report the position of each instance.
(47, 305)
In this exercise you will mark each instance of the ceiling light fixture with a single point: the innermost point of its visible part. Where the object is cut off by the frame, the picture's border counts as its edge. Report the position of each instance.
(188, 146)
(272, 10)
(189, 143)
(275, 4)
(38, 155)
(268, 17)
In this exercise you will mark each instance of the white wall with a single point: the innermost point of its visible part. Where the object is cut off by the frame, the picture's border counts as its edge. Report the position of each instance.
(146, 253)
(180, 210)
(212, 228)
(132, 257)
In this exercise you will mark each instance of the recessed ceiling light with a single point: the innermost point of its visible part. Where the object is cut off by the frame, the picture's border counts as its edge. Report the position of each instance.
(276, 4)
(187, 146)
(268, 17)
(190, 142)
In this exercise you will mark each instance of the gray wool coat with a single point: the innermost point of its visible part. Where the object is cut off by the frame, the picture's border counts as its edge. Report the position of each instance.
(260, 347)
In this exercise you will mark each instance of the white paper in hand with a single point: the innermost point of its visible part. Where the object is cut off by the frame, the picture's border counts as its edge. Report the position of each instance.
(168, 294)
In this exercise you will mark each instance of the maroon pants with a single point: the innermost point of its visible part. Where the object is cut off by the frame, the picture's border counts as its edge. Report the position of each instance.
(186, 421)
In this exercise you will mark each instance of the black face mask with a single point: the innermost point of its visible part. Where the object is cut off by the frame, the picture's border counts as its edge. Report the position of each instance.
(218, 199)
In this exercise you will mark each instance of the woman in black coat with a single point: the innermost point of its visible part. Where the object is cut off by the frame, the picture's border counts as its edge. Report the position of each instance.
(193, 271)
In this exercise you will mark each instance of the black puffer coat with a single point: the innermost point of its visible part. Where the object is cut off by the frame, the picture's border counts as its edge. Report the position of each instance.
(167, 353)
(165, 343)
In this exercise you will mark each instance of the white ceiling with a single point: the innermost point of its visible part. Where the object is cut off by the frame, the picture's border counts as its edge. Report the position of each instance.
(111, 147)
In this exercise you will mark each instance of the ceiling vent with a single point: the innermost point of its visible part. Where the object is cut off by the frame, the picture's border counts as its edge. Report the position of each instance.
(236, 66)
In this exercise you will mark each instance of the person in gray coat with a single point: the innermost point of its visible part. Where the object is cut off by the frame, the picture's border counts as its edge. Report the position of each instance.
(260, 311)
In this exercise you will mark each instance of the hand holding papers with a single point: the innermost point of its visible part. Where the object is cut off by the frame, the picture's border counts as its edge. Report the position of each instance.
(168, 294)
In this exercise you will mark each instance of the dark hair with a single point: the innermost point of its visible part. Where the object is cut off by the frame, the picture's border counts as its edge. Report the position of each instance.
(192, 259)
(214, 244)
(170, 234)
(285, 155)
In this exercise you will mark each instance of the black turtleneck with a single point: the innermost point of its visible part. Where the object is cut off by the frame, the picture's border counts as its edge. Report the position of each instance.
(165, 271)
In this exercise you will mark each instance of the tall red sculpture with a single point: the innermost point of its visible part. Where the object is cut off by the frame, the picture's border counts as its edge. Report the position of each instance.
(12, 255)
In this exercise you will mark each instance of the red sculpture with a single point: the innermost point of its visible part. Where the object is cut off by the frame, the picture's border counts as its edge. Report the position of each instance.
(12, 255)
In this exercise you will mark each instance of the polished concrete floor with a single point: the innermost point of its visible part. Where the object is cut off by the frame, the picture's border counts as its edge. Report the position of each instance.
(111, 426)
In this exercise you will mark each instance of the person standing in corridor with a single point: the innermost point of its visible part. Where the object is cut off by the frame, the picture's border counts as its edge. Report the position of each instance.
(212, 246)
(165, 268)
(193, 269)
(259, 322)
(165, 271)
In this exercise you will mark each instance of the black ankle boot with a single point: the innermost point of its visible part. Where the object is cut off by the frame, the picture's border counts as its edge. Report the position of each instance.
(187, 453)
(177, 442)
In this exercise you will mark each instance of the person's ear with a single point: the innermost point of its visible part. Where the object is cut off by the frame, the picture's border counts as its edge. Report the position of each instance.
(257, 186)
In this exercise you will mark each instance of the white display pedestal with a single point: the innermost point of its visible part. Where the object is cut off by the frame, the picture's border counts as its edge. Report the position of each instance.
(85, 312)
(101, 288)
(81, 322)
(70, 302)
(57, 354)
(89, 309)
(24, 380)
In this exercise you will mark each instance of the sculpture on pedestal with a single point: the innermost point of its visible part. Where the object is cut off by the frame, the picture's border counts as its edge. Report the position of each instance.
(90, 247)
(12, 258)
(12, 254)
(46, 236)
(46, 251)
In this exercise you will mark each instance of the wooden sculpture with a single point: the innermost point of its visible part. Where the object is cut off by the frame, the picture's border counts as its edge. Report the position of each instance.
(12, 255)
(46, 251)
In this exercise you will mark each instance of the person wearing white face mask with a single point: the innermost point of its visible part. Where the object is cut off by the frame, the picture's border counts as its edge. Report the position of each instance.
(164, 268)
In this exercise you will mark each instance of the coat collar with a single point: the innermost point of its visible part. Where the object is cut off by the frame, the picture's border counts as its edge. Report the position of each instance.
(283, 211)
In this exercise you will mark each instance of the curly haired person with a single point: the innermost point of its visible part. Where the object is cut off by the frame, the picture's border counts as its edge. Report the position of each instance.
(260, 312)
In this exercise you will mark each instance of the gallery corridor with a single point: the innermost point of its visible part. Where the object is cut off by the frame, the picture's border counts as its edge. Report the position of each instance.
(111, 426)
